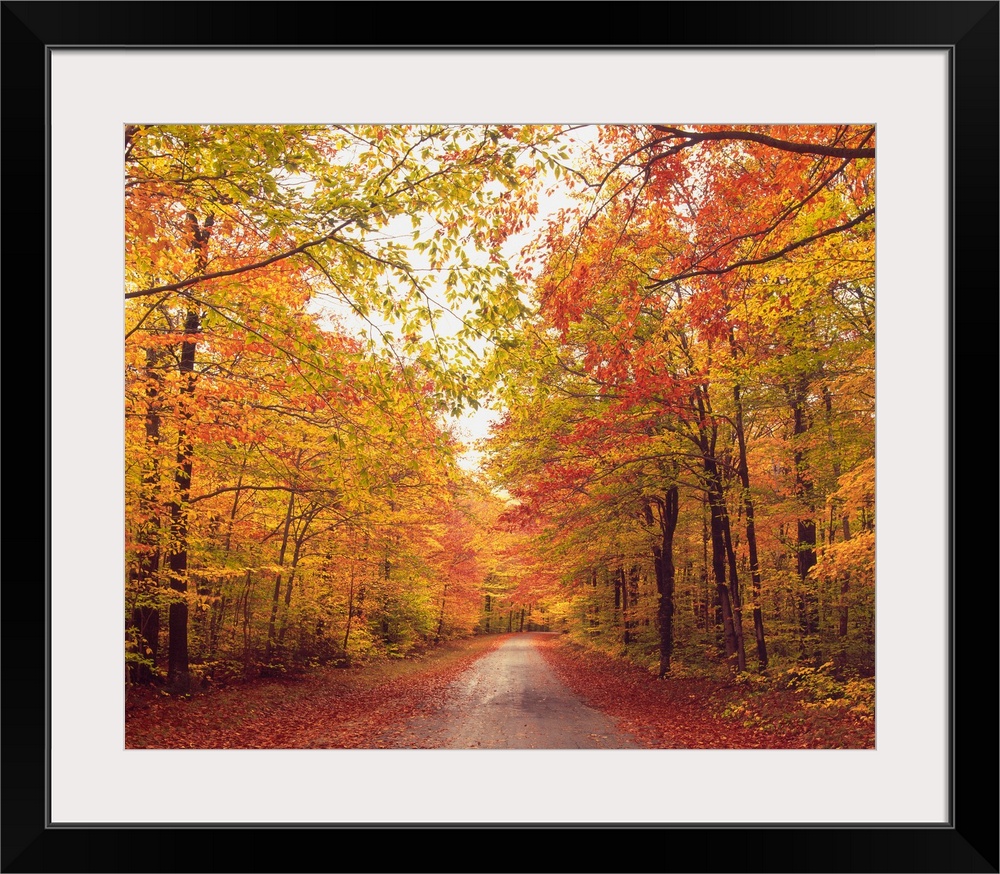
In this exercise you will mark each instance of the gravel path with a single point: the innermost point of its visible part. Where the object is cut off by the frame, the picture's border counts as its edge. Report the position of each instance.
(510, 699)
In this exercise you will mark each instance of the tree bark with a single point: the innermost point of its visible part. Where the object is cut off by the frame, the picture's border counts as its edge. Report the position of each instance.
(717, 520)
(440, 626)
(246, 626)
(748, 508)
(845, 583)
(350, 609)
(178, 674)
(663, 561)
(845, 586)
(276, 597)
(143, 574)
(805, 527)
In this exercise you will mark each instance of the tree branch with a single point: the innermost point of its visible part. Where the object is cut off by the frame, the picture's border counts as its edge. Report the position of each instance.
(204, 277)
(692, 138)
(751, 262)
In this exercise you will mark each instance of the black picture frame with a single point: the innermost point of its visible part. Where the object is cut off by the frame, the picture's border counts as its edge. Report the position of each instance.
(967, 843)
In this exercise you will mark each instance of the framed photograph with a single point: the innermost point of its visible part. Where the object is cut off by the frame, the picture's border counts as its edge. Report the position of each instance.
(923, 74)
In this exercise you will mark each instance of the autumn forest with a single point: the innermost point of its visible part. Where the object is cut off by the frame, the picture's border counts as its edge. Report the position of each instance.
(398, 395)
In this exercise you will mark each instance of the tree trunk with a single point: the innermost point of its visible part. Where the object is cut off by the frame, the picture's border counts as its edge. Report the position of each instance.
(178, 674)
(626, 621)
(805, 527)
(755, 579)
(734, 593)
(276, 597)
(246, 623)
(236, 501)
(845, 586)
(845, 583)
(143, 575)
(299, 538)
(663, 561)
(437, 634)
(717, 519)
(289, 585)
(350, 609)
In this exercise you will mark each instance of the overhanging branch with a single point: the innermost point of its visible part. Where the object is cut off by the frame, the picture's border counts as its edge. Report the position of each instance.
(233, 271)
(692, 138)
(752, 262)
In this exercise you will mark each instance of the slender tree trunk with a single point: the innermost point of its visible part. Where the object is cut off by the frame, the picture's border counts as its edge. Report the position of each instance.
(276, 598)
(387, 567)
(178, 674)
(623, 588)
(215, 626)
(663, 560)
(805, 527)
(717, 519)
(350, 608)
(299, 537)
(845, 582)
(734, 593)
(289, 585)
(236, 502)
(748, 508)
(246, 625)
(143, 575)
(437, 634)
(845, 586)
(634, 578)
(712, 602)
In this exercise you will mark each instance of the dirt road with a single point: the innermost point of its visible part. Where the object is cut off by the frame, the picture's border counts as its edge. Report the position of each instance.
(510, 699)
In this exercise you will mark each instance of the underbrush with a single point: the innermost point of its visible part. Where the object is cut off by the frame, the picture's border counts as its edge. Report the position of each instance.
(792, 705)
(835, 712)
(288, 682)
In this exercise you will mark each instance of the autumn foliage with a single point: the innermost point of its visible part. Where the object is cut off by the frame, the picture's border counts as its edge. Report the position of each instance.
(682, 351)
(292, 492)
(689, 420)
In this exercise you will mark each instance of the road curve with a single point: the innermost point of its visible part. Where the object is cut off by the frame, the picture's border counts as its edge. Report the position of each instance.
(510, 699)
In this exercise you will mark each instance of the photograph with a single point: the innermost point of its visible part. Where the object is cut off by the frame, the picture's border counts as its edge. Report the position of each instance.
(493, 438)
(497, 436)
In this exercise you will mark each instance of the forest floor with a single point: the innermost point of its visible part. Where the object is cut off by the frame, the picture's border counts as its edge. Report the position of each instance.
(372, 704)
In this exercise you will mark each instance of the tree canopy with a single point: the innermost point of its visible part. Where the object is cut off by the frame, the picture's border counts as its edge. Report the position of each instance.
(675, 324)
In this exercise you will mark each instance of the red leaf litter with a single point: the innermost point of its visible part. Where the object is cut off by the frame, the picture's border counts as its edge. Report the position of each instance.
(331, 708)
(368, 707)
(686, 713)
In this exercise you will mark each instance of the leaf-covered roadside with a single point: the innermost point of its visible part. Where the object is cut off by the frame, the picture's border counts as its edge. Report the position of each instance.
(805, 708)
(366, 706)
(334, 708)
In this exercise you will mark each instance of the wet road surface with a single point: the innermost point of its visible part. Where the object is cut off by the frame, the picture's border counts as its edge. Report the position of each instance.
(510, 699)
